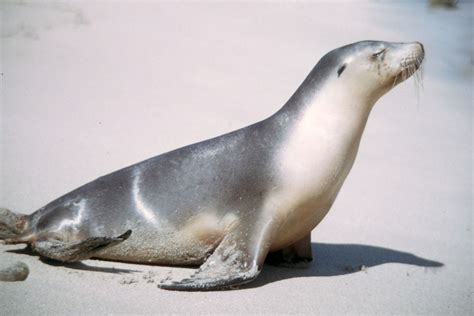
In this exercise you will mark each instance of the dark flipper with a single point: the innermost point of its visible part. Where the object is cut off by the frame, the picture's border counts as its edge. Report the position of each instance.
(77, 250)
(298, 255)
(227, 266)
(207, 280)
(12, 226)
(237, 260)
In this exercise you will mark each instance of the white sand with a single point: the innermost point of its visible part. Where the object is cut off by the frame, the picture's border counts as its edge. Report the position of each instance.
(90, 88)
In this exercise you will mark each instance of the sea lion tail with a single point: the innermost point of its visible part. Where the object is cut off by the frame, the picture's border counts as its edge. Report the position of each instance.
(12, 226)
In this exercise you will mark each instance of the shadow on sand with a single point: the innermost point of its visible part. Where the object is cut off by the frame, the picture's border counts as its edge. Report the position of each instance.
(340, 259)
(74, 265)
(329, 260)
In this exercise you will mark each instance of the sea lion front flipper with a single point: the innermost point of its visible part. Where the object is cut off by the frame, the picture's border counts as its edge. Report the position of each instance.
(297, 255)
(77, 250)
(237, 260)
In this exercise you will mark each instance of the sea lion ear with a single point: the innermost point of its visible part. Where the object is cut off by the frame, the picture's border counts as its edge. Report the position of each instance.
(341, 69)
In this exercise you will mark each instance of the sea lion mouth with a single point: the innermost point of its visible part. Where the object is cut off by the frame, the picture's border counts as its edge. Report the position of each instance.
(410, 64)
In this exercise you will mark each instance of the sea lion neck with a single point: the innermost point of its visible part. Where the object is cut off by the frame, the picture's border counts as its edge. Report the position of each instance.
(319, 97)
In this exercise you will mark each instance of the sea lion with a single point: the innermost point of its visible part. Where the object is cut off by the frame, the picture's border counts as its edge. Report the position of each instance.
(227, 202)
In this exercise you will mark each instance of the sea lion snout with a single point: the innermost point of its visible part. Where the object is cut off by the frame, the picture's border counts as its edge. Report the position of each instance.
(421, 47)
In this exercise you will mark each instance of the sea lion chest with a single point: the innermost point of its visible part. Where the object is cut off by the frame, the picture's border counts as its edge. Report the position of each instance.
(312, 165)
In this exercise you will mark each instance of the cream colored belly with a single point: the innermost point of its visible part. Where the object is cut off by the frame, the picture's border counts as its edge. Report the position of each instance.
(311, 167)
(298, 220)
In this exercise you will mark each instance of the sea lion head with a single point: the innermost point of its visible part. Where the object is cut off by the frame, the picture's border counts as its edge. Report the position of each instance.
(372, 68)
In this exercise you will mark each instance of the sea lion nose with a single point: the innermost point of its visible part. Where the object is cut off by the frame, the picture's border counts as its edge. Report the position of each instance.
(421, 47)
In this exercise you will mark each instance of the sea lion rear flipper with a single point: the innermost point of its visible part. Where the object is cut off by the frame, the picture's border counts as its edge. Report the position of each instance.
(12, 226)
(77, 250)
(237, 260)
(297, 255)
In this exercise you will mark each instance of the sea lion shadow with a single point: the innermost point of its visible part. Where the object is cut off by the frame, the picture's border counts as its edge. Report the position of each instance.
(329, 260)
(70, 265)
(85, 267)
(341, 259)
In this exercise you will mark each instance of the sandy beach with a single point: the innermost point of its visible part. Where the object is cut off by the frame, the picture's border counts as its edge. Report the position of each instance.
(90, 87)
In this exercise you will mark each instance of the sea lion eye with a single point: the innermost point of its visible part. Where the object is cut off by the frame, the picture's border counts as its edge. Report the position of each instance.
(378, 54)
(340, 70)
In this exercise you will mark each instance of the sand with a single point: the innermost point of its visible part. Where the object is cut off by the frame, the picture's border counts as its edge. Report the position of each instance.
(90, 87)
